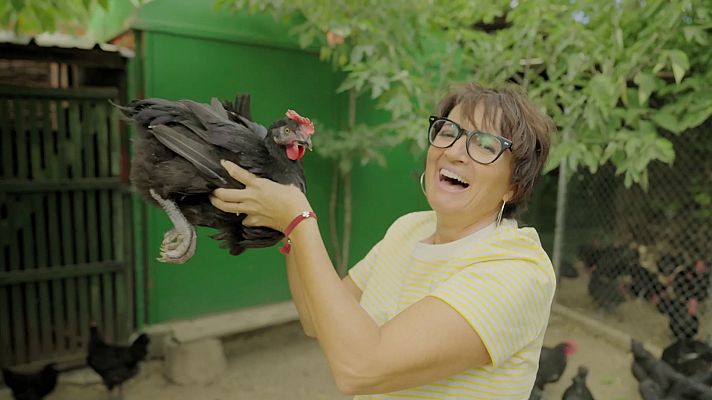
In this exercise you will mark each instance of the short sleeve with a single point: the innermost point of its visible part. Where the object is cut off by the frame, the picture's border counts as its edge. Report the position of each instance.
(361, 272)
(507, 302)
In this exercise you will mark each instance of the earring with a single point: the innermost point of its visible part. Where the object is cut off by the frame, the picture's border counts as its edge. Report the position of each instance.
(501, 211)
(422, 183)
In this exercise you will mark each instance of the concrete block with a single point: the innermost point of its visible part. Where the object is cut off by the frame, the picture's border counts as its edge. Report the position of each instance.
(196, 362)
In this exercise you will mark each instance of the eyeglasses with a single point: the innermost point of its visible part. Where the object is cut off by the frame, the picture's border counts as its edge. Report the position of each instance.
(482, 147)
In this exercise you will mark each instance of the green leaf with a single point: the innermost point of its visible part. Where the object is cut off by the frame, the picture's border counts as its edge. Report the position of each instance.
(695, 118)
(680, 64)
(104, 4)
(646, 86)
(378, 85)
(665, 119)
(666, 151)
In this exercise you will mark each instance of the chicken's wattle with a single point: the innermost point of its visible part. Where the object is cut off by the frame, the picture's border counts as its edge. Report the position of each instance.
(295, 151)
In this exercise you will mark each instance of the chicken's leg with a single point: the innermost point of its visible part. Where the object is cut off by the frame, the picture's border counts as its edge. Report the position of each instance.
(179, 243)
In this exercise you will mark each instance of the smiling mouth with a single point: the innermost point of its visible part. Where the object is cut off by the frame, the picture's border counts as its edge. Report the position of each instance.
(452, 180)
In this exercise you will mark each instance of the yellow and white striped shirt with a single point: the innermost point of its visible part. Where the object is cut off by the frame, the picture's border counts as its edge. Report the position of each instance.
(498, 278)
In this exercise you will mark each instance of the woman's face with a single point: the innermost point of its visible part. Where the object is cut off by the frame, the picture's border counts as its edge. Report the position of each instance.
(485, 186)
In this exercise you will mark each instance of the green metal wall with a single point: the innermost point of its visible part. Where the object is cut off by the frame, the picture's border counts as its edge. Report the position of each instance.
(189, 51)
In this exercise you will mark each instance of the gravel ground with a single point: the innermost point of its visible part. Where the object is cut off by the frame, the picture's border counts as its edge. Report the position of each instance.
(281, 363)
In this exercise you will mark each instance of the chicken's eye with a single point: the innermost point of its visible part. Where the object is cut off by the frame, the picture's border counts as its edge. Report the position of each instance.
(287, 130)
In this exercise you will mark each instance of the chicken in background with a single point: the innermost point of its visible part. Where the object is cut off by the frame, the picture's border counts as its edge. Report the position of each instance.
(31, 386)
(578, 389)
(568, 270)
(646, 366)
(692, 281)
(645, 284)
(682, 315)
(536, 393)
(608, 266)
(115, 364)
(552, 363)
(606, 292)
(688, 356)
(658, 380)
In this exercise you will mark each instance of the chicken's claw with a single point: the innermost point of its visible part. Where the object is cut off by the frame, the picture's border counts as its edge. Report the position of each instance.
(178, 247)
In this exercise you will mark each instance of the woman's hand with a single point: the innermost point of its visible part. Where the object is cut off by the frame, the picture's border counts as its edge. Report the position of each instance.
(265, 202)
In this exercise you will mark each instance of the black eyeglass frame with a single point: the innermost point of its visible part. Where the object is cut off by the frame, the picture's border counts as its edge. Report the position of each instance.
(506, 143)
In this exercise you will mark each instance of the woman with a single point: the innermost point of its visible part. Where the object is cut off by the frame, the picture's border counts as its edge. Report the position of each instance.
(451, 303)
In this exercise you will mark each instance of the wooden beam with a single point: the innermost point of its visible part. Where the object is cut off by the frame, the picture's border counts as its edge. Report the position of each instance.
(64, 185)
(15, 276)
(59, 93)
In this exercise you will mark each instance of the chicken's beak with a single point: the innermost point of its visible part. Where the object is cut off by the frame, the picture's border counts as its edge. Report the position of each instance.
(304, 140)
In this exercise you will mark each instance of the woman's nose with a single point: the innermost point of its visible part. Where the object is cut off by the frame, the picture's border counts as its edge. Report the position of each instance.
(458, 150)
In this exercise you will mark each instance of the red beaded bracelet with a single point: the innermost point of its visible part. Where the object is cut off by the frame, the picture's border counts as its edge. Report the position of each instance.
(299, 218)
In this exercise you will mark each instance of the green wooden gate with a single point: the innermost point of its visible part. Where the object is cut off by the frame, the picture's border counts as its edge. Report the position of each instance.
(65, 223)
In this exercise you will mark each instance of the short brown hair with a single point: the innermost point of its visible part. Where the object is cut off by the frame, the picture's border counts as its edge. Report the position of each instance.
(520, 121)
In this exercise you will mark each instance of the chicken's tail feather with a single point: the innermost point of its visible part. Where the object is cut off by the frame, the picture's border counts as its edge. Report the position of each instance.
(139, 347)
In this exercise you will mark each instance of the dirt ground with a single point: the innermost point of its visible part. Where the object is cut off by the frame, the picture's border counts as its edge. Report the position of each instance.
(281, 363)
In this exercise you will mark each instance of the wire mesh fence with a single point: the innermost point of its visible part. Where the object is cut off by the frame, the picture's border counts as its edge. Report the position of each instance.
(641, 260)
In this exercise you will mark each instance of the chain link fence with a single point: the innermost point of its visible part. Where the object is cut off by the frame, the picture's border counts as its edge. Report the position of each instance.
(640, 260)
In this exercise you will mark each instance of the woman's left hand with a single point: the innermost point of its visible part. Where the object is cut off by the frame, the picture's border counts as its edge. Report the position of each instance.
(265, 202)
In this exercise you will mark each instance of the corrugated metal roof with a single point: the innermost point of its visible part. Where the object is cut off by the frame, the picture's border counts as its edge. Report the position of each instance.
(62, 40)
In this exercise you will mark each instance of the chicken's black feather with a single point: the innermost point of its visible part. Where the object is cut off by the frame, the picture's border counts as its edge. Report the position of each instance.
(177, 155)
(115, 364)
(31, 386)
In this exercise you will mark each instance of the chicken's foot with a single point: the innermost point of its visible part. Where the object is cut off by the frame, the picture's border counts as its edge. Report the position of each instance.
(178, 244)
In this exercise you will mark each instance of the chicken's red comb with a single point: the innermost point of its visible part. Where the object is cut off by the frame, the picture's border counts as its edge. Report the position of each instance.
(571, 347)
(700, 267)
(304, 122)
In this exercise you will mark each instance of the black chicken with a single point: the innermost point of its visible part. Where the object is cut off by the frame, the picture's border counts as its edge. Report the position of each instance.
(605, 291)
(658, 371)
(645, 284)
(692, 281)
(115, 364)
(177, 166)
(578, 389)
(688, 356)
(568, 270)
(684, 388)
(32, 386)
(658, 380)
(650, 390)
(536, 393)
(552, 362)
(682, 316)
(610, 261)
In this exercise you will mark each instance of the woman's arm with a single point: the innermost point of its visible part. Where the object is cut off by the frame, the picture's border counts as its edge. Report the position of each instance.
(295, 286)
(426, 342)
